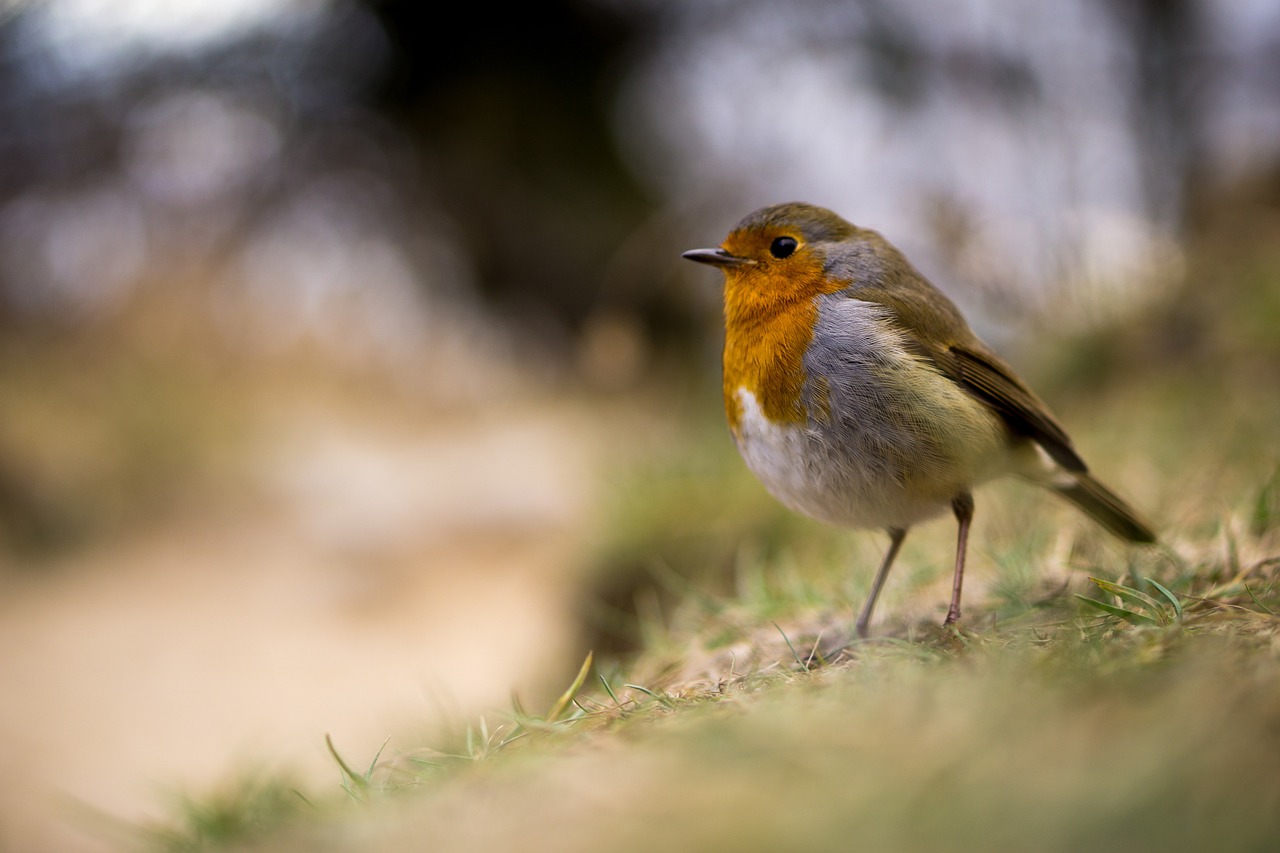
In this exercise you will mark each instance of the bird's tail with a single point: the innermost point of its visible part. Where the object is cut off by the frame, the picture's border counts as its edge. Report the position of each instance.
(1105, 507)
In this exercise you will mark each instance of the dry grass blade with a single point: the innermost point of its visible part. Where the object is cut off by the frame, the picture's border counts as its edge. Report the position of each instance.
(566, 699)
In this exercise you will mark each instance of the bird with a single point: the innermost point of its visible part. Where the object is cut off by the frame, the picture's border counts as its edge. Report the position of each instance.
(858, 395)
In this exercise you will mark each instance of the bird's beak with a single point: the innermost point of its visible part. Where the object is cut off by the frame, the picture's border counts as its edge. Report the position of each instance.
(715, 257)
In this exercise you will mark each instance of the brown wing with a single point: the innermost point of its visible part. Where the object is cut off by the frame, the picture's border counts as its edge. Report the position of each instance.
(939, 332)
(989, 378)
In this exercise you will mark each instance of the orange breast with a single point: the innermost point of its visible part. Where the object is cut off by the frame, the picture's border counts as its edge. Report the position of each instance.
(769, 322)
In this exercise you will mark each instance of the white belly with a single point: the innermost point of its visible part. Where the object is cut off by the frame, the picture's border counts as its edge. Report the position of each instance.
(867, 472)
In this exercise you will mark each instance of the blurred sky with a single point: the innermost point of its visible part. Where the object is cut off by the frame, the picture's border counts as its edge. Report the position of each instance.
(1015, 149)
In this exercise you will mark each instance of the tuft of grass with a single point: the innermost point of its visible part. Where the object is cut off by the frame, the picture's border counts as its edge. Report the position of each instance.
(357, 785)
(1265, 515)
(1135, 606)
(240, 811)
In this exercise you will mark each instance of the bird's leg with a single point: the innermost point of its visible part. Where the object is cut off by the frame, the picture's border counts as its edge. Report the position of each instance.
(896, 535)
(962, 506)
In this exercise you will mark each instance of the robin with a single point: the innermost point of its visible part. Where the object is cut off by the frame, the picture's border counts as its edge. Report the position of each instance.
(858, 395)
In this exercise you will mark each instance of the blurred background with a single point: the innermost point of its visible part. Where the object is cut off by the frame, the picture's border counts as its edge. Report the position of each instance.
(340, 342)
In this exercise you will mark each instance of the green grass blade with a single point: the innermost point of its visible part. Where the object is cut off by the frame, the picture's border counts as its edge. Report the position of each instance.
(665, 701)
(368, 776)
(349, 775)
(608, 689)
(1129, 616)
(1172, 599)
(794, 653)
(1258, 602)
(1131, 595)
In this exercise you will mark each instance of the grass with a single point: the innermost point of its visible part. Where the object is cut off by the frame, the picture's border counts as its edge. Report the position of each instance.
(1082, 731)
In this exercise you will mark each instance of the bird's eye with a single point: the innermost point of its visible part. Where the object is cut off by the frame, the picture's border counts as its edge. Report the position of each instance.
(782, 247)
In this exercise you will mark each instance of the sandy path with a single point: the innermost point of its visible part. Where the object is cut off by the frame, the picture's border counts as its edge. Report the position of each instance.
(380, 579)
